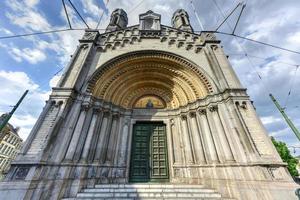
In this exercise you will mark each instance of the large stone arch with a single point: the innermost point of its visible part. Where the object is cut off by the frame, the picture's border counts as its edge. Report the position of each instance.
(172, 78)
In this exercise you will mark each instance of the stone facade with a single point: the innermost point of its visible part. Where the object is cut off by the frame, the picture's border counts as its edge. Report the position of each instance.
(83, 136)
(10, 145)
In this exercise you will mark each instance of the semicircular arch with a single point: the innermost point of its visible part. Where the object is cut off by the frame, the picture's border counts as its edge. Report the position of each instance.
(170, 77)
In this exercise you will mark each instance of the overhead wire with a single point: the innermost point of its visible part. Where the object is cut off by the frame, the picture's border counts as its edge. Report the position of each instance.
(39, 33)
(243, 49)
(99, 21)
(135, 7)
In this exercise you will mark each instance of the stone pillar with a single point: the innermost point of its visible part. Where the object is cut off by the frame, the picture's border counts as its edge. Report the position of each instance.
(123, 149)
(102, 137)
(196, 139)
(239, 152)
(189, 159)
(91, 132)
(225, 67)
(65, 134)
(256, 130)
(208, 141)
(176, 154)
(112, 139)
(220, 135)
(77, 132)
(242, 130)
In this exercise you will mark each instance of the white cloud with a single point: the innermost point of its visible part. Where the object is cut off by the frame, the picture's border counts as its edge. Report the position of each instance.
(91, 7)
(269, 120)
(33, 56)
(26, 16)
(31, 3)
(13, 86)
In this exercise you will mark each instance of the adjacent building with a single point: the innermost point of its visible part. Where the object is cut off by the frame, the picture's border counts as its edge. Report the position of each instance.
(10, 145)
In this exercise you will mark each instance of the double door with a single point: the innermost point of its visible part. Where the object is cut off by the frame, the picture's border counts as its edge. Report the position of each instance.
(149, 158)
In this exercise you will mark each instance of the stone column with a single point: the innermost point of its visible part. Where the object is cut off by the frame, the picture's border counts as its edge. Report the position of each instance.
(65, 133)
(122, 154)
(91, 132)
(77, 132)
(186, 141)
(256, 130)
(221, 136)
(102, 137)
(196, 139)
(209, 143)
(112, 139)
(95, 138)
(177, 154)
(239, 152)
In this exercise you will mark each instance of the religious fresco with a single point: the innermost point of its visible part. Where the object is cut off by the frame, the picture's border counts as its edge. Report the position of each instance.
(149, 101)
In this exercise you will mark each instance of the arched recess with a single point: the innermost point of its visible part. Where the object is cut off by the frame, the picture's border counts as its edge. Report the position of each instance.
(169, 77)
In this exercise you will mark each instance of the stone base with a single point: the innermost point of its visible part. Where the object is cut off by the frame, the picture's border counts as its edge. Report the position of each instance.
(229, 189)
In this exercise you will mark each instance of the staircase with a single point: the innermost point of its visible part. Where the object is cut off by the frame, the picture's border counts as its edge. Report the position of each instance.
(147, 192)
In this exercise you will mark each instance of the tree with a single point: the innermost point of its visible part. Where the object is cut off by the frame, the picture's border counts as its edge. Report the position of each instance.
(286, 156)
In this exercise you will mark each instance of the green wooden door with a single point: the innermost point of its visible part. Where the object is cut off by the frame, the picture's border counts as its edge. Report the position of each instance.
(149, 153)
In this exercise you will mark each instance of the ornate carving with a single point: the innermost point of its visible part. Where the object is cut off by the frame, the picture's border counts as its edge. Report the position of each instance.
(183, 116)
(192, 114)
(202, 111)
(90, 35)
(244, 105)
(213, 108)
(21, 173)
(172, 122)
(176, 87)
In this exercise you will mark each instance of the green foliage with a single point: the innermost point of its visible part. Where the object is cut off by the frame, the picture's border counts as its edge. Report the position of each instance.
(286, 156)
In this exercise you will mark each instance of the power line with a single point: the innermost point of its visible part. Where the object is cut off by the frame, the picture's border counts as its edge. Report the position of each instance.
(102, 15)
(196, 14)
(39, 33)
(78, 13)
(135, 7)
(244, 50)
(253, 56)
(259, 42)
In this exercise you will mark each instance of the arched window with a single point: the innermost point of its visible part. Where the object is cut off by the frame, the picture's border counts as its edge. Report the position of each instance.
(116, 19)
(183, 20)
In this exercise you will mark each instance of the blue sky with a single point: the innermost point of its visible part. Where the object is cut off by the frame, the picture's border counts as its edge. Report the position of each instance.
(31, 62)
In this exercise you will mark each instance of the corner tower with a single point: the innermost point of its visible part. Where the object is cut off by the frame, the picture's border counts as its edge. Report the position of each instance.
(181, 20)
(118, 20)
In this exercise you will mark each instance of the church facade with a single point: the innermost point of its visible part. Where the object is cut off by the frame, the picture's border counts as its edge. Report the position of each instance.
(148, 104)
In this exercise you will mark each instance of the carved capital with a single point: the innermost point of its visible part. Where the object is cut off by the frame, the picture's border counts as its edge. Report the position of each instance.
(172, 122)
(115, 115)
(192, 114)
(202, 111)
(183, 116)
(106, 113)
(85, 106)
(244, 105)
(213, 108)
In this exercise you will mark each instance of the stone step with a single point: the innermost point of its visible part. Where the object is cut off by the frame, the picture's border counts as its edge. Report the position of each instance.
(147, 190)
(144, 198)
(146, 186)
(149, 195)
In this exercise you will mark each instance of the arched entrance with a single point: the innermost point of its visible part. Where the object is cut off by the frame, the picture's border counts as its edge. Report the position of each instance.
(149, 85)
